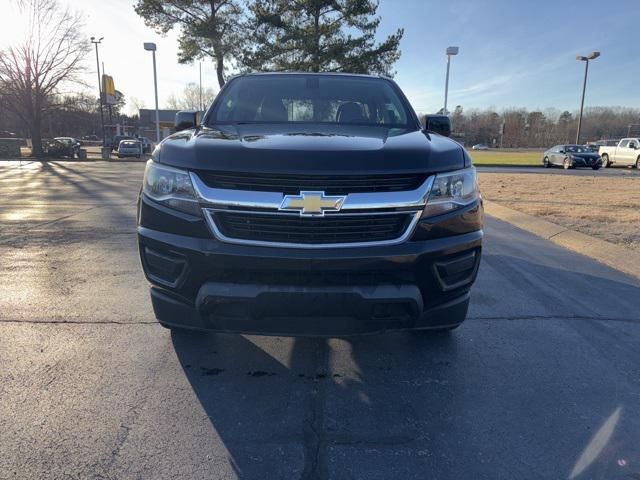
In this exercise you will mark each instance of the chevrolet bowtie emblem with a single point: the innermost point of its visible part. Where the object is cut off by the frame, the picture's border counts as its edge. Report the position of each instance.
(312, 203)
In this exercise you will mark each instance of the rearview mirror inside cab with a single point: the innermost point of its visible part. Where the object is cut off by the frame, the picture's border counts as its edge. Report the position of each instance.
(440, 124)
(187, 119)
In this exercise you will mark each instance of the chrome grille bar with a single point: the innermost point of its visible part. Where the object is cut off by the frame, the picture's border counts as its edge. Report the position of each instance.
(219, 197)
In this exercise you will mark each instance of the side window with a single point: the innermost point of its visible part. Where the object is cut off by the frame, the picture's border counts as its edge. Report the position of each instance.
(624, 144)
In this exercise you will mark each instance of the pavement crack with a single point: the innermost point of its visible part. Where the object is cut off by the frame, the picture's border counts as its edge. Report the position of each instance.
(313, 440)
(558, 233)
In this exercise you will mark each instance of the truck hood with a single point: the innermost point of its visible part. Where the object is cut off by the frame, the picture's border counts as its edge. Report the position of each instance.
(309, 149)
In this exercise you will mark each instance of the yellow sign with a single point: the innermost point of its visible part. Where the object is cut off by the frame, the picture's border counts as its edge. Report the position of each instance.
(108, 90)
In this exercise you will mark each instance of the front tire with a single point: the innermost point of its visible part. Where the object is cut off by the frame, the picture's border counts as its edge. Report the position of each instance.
(605, 161)
(596, 167)
(566, 164)
(545, 162)
(638, 163)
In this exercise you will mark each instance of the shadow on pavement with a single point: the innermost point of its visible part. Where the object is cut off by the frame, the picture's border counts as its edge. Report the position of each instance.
(495, 399)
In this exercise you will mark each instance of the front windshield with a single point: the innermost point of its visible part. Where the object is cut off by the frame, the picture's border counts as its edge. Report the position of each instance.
(576, 149)
(310, 99)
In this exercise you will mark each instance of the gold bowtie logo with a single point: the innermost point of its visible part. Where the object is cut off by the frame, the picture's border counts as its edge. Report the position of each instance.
(312, 203)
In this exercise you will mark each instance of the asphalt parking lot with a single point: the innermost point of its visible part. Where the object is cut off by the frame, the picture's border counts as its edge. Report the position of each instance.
(542, 382)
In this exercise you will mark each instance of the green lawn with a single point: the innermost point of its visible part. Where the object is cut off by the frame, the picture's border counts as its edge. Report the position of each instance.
(507, 158)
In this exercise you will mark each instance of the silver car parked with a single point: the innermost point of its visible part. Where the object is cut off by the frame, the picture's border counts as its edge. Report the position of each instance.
(129, 148)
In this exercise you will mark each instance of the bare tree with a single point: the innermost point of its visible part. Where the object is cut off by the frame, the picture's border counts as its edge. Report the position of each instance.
(135, 105)
(33, 69)
(189, 99)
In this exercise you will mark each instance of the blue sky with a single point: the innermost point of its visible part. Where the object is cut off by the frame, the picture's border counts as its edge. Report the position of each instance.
(513, 53)
(517, 52)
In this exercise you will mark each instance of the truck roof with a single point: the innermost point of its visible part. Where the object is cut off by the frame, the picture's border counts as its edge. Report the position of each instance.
(319, 74)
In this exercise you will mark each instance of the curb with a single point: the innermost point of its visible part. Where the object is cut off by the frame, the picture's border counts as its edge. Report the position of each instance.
(615, 256)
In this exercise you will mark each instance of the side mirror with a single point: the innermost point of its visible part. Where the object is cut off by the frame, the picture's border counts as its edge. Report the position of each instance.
(440, 124)
(187, 119)
(561, 151)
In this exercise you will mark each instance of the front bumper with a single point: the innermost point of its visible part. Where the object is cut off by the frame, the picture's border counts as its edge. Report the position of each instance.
(586, 162)
(202, 283)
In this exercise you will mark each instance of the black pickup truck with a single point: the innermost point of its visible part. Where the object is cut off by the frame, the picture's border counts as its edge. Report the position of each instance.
(310, 204)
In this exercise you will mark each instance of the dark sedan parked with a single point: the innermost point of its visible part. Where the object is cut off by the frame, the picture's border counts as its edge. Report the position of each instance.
(571, 156)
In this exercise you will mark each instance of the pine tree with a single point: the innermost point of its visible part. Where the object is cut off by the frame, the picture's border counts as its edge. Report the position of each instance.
(319, 36)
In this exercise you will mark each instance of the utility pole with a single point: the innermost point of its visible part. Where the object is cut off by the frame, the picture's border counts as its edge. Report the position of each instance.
(201, 106)
(96, 43)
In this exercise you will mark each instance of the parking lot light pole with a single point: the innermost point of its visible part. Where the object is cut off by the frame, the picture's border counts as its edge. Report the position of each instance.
(591, 56)
(96, 43)
(151, 47)
(451, 51)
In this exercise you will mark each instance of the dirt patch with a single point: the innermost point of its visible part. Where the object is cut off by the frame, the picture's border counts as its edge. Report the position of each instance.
(603, 206)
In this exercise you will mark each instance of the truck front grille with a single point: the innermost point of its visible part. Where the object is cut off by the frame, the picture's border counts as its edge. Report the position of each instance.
(331, 185)
(286, 228)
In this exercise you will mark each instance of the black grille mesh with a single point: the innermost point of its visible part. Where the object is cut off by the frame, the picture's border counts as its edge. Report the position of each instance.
(294, 184)
(312, 230)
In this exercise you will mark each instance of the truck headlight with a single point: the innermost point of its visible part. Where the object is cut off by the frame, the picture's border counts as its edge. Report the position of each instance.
(451, 191)
(171, 187)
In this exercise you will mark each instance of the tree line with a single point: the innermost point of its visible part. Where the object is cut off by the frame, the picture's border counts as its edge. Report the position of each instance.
(521, 128)
(305, 35)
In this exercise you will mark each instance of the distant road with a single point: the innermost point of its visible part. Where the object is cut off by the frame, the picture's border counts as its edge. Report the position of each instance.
(612, 171)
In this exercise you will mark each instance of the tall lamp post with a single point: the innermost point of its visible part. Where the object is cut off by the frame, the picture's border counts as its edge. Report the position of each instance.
(591, 56)
(96, 43)
(151, 47)
(451, 51)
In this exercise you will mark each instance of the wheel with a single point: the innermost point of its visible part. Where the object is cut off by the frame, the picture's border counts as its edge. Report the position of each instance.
(638, 163)
(566, 164)
(545, 162)
(596, 167)
(605, 161)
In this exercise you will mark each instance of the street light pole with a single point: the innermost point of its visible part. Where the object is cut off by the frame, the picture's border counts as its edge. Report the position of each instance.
(586, 59)
(96, 43)
(201, 106)
(451, 51)
(152, 48)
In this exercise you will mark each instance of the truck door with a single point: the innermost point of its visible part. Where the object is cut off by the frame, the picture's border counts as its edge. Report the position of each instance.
(621, 154)
(632, 152)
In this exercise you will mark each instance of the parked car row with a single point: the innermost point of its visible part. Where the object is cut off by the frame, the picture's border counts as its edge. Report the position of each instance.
(626, 153)
(571, 156)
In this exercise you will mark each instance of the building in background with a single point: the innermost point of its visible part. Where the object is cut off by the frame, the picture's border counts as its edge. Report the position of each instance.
(147, 126)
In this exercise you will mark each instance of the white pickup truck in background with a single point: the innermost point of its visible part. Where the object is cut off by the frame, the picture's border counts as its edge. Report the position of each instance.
(627, 152)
